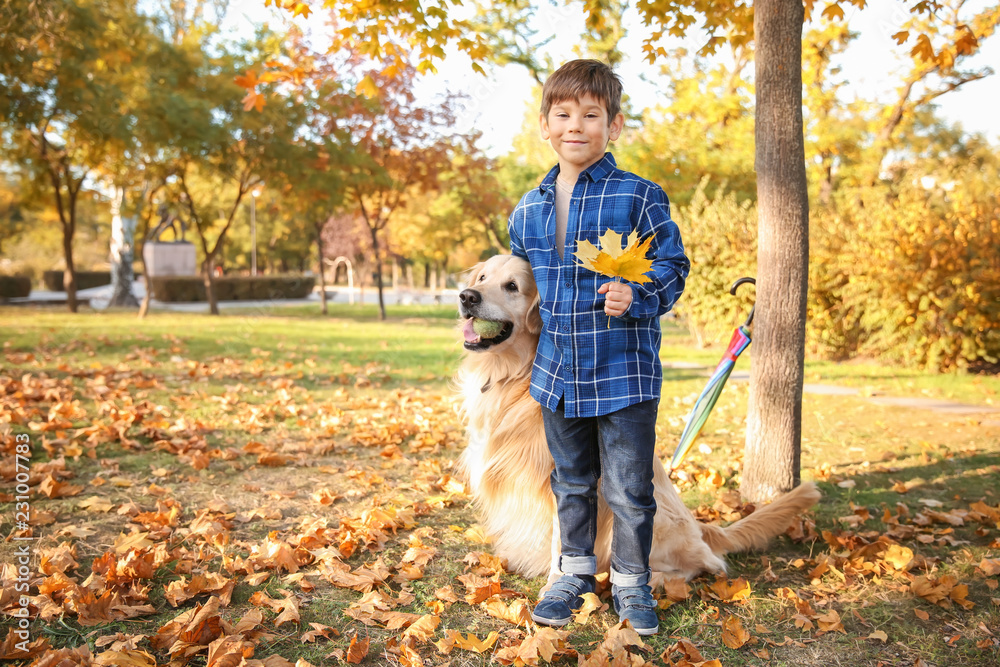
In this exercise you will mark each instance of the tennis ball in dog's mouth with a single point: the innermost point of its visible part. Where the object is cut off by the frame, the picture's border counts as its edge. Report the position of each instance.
(487, 328)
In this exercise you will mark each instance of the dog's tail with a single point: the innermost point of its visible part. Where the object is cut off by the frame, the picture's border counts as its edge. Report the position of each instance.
(756, 530)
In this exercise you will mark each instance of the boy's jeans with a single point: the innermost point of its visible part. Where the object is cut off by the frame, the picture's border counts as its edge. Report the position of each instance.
(618, 449)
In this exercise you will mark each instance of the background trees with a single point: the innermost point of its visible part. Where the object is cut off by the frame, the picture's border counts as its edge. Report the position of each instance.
(69, 74)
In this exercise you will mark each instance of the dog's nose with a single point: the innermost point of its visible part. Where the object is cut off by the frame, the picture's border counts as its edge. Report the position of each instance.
(470, 297)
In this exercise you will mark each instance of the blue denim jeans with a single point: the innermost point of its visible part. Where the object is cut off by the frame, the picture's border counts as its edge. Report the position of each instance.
(618, 449)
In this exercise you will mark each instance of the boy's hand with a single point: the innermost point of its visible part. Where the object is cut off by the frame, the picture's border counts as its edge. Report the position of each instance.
(618, 300)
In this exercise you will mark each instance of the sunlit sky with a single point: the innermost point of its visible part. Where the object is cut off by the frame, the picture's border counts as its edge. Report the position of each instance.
(499, 101)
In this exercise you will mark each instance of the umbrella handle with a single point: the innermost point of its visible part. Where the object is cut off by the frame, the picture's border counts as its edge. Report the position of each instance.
(732, 290)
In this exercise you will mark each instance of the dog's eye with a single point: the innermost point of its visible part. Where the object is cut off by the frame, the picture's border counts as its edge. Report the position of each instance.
(511, 286)
(482, 278)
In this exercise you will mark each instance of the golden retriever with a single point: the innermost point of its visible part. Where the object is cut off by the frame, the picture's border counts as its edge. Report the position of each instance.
(507, 461)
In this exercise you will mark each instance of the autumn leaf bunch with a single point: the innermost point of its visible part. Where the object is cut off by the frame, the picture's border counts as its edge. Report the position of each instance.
(612, 260)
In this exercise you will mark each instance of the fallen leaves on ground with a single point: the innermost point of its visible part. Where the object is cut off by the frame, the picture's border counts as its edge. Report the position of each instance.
(361, 529)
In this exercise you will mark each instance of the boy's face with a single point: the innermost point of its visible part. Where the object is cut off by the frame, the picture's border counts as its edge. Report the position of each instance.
(579, 130)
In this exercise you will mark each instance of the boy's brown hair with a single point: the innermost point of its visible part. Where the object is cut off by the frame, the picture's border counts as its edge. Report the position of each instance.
(583, 77)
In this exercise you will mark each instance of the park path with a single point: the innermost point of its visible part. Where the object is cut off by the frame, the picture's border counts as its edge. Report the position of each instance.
(97, 297)
(990, 413)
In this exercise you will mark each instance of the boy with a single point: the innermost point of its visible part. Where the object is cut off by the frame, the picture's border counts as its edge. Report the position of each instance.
(598, 385)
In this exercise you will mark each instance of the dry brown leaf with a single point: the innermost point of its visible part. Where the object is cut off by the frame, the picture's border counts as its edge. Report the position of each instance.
(729, 591)
(229, 651)
(688, 651)
(423, 628)
(9, 650)
(517, 612)
(830, 622)
(591, 604)
(319, 630)
(180, 590)
(357, 650)
(58, 559)
(96, 504)
(734, 635)
(325, 496)
(125, 542)
(484, 564)
(898, 556)
(621, 638)
(879, 635)
(990, 566)
(53, 488)
(480, 588)
(469, 642)
(446, 594)
(409, 657)
(942, 591)
(67, 657)
(477, 534)
(676, 589)
(543, 645)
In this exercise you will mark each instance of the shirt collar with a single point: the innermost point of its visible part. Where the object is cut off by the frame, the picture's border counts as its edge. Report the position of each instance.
(595, 172)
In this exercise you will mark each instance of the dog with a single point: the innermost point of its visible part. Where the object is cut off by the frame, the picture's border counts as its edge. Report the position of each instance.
(507, 462)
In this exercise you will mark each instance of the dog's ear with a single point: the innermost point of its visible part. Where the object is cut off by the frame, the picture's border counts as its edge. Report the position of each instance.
(533, 318)
(473, 274)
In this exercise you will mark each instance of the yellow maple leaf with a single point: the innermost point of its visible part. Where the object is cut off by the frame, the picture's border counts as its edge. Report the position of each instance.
(469, 643)
(612, 260)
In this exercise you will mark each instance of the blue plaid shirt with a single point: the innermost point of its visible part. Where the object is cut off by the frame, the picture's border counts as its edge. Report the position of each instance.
(595, 369)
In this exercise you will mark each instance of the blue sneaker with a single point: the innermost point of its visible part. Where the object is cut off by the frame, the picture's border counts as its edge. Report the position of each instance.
(557, 605)
(636, 604)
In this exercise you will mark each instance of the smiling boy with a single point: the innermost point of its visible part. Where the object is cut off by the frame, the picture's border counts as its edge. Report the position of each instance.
(598, 381)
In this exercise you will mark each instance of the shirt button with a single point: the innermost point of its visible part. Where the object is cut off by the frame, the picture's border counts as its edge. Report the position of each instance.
(568, 284)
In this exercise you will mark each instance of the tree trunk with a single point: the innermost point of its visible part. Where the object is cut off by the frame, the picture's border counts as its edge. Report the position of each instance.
(144, 306)
(322, 269)
(207, 268)
(122, 254)
(378, 274)
(774, 423)
(147, 199)
(69, 274)
(67, 217)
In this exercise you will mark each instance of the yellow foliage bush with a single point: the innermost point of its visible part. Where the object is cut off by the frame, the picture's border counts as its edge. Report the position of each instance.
(909, 277)
(720, 239)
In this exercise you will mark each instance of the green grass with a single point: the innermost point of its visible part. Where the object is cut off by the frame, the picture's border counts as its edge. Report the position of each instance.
(318, 388)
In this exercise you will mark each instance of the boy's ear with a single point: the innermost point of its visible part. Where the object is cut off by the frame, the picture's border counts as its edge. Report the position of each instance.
(617, 124)
(543, 125)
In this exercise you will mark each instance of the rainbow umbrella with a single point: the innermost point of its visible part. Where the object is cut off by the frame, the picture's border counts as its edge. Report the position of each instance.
(710, 394)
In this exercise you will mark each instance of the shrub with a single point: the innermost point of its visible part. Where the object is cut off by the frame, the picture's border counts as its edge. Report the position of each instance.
(908, 277)
(53, 280)
(720, 239)
(12, 287)
(911, 278)
(232, 288)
